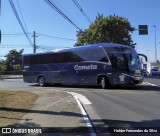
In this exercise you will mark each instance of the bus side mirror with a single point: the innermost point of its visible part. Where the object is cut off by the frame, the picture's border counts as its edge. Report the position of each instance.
(146, 59)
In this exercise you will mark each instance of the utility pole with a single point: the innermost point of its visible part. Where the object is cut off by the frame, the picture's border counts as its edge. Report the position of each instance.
(155, 43)
(0, 36)
(34, 42)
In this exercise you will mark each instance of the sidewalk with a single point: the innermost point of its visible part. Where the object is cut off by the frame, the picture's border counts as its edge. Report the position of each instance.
(55, 112)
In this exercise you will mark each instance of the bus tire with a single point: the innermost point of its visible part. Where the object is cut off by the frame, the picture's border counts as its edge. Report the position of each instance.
(103, 82)
(41, 81)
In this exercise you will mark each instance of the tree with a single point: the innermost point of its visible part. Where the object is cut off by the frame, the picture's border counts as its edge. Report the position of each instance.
(112, 29)
(14, 57)
(3, 66)
(17, 67)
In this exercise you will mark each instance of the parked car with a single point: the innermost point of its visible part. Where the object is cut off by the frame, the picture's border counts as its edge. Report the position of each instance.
(145, 73)
(155, 72)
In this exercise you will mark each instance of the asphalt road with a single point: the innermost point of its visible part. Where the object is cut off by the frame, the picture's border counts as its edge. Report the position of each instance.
(153, 80)
(128, 106)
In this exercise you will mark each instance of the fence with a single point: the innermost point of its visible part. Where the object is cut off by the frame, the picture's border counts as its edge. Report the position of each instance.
(10, 74)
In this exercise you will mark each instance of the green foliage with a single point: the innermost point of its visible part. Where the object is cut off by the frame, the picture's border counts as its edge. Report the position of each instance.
(17, 67)
(111, 29)
(3, 67)
(14, 57)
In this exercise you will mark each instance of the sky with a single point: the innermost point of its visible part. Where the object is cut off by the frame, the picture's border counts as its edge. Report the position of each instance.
(41, 18)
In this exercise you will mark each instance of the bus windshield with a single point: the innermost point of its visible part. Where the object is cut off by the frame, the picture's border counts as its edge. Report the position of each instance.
(120, 60)
(133, 60)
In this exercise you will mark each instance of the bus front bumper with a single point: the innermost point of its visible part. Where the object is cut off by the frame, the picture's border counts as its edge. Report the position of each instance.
(137, 80)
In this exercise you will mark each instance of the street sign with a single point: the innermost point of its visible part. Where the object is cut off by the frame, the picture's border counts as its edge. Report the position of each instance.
(143, 29)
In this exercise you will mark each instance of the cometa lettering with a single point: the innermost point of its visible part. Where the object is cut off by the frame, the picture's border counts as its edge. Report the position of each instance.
(88, 67)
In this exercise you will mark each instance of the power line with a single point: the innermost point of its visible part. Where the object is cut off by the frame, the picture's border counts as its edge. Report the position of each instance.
(43, 35)
(11, 45)
(16, 14)
(55, 37)
(16, 34)
(66, 12)
(80, 8)
(22, 15)
(23, 46)
(53, 5)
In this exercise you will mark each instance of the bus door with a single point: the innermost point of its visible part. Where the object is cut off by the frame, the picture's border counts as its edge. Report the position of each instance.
(120, 68)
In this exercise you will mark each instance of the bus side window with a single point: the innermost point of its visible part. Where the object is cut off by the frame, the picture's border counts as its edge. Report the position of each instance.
(81, 54)
(104, 59)
(97, 54)
(118, 61)
(113, 60)
(121, 62)
(26, 60)
(30, 60)
(70, 57)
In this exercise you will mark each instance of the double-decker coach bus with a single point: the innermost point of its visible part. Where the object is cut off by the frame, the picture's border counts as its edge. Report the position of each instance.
(97, 64)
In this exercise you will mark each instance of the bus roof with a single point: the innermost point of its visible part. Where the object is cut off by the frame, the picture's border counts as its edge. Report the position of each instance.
(82, 47)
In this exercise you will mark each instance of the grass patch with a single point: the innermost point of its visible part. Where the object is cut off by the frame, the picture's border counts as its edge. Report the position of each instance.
(5, 93)
(13, 106)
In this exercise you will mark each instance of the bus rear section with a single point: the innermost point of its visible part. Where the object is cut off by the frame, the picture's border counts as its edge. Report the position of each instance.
(74, 66)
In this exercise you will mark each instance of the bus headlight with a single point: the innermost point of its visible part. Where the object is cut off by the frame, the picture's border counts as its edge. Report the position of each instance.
(137, 71)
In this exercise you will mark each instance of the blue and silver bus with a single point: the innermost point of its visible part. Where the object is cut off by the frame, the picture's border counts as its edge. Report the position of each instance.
(97, 64)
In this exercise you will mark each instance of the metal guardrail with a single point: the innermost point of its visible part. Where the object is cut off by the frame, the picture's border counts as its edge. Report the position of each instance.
(11, 75)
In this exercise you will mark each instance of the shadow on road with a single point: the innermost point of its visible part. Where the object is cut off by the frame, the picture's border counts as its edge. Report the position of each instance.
(41, 112)
(46, 131)
(109, 126)
(152, 77)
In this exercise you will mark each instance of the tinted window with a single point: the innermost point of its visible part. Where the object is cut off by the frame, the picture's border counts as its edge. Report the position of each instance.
(65, 57)
(121, 62)
(70, 57)
(26, 60)
(50, 58)
(59, 57)
(82, 54)
(117, 49)
(118, 61)
(97, 54)
(93, 54)
(113, 60)
(30, 60)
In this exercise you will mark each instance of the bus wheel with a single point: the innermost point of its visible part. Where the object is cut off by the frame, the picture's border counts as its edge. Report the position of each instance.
(103, 83)
(41, 81)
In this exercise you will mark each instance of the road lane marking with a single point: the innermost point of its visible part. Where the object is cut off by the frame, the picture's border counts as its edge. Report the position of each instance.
(147, 83)
(81, 97)
(85, 115)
